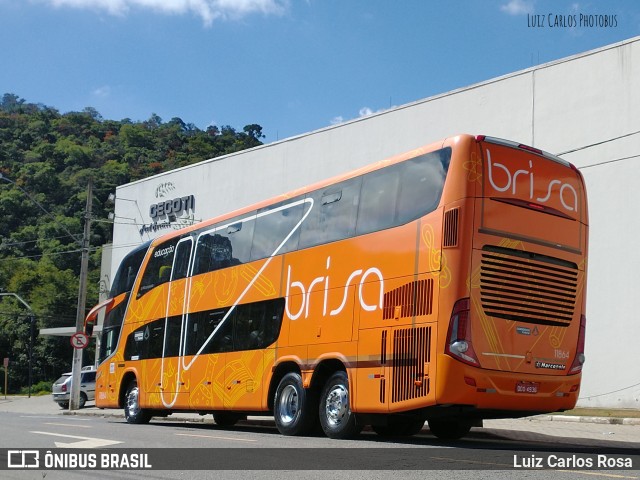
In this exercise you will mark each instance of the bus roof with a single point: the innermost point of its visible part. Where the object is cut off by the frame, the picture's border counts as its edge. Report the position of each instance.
(315, 186)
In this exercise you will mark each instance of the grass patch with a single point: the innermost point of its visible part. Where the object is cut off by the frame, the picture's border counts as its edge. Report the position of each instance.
(602, 412)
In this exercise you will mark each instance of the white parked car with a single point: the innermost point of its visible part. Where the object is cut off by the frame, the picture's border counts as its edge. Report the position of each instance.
(61, 389)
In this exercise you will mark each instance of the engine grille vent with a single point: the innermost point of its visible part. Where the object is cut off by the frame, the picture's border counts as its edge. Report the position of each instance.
(383, 362)
(413, 299)
(527, 287)
(450, 230)
(411, 352)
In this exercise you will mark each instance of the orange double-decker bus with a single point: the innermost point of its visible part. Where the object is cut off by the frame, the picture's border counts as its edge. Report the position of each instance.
(446, 284)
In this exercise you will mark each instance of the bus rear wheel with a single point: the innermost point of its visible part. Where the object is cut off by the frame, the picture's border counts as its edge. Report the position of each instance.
(293, 406)
(336, 417)
(133, 413)
(449, 428)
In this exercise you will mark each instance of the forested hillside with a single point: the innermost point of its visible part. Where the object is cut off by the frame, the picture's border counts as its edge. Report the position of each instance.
(48, 156)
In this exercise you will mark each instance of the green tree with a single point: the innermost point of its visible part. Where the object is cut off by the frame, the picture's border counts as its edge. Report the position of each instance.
(51, 155)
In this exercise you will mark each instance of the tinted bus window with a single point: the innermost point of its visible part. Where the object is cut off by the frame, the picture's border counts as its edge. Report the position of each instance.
(111, 329)
(146, 342)
(183, 256)
(158, 270)
(334, 214)
(273, 225)
(248, 327)
(173, 326)
(108, 342)
(402, 192)
(201, 325)
(378, 200)
(154, 335)
(421, 183)
(224, 246)
(257, 325)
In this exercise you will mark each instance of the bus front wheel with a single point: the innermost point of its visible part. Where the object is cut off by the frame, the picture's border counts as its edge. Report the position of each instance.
(449, 428)
(336, 417)
(133, 413)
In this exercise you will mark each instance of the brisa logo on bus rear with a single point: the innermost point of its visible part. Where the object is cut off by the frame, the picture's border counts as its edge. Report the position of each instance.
(563, 192)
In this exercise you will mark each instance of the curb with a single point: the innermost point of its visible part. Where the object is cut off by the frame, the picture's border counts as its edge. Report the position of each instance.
(587, 419)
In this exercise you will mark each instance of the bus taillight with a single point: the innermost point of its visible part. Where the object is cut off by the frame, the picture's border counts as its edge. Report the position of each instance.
(578, 361)
(530, 149)
(459, 335)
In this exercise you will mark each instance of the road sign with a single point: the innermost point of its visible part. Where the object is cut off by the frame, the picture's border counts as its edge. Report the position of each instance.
(79, 341)
(6, 362)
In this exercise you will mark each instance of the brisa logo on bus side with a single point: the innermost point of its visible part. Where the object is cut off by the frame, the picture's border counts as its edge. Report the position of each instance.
(566, 193)
(357, 276)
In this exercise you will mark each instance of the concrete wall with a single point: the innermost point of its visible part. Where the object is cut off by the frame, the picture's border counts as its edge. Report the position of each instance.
(567, 105)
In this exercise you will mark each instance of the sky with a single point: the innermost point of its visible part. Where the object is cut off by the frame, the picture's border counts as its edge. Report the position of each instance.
(291, 66)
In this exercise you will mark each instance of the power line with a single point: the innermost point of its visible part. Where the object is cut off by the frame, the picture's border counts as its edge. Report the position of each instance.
(59, 318)
(609, 393)
(25, 242)
(8, 180)
(609, 161)
(91, 249)
(598, 143)
(47, 254)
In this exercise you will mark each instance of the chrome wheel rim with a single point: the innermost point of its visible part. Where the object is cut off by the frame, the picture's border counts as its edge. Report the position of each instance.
(289, 405)
(337, 405)
(133, 406)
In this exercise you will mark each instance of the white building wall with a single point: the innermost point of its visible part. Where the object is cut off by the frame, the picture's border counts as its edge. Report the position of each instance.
(562, 106)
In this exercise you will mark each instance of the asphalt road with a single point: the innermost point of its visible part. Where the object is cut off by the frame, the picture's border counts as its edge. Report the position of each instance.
(257, 451)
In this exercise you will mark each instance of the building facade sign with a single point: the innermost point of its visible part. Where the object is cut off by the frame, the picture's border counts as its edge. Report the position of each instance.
(172, 213)
(174, 207)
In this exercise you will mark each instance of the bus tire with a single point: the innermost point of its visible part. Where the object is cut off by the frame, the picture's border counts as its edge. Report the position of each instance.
(449, 428)
(133, 413)
(336, 417)
(292, 406)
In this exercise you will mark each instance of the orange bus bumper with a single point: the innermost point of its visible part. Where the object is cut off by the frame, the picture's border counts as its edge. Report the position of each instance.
(461, 384)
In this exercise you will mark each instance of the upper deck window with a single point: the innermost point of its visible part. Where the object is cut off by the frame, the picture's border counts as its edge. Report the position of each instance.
(158, 270)
(402, 192)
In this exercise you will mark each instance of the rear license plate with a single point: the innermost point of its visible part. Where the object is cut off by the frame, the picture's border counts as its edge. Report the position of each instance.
(527, 387)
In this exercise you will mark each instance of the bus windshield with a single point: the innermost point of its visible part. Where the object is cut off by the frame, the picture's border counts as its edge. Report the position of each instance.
(115, 306)
(126, 274)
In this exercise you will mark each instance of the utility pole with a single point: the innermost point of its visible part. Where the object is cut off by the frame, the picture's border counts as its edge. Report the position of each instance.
(76, 368)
